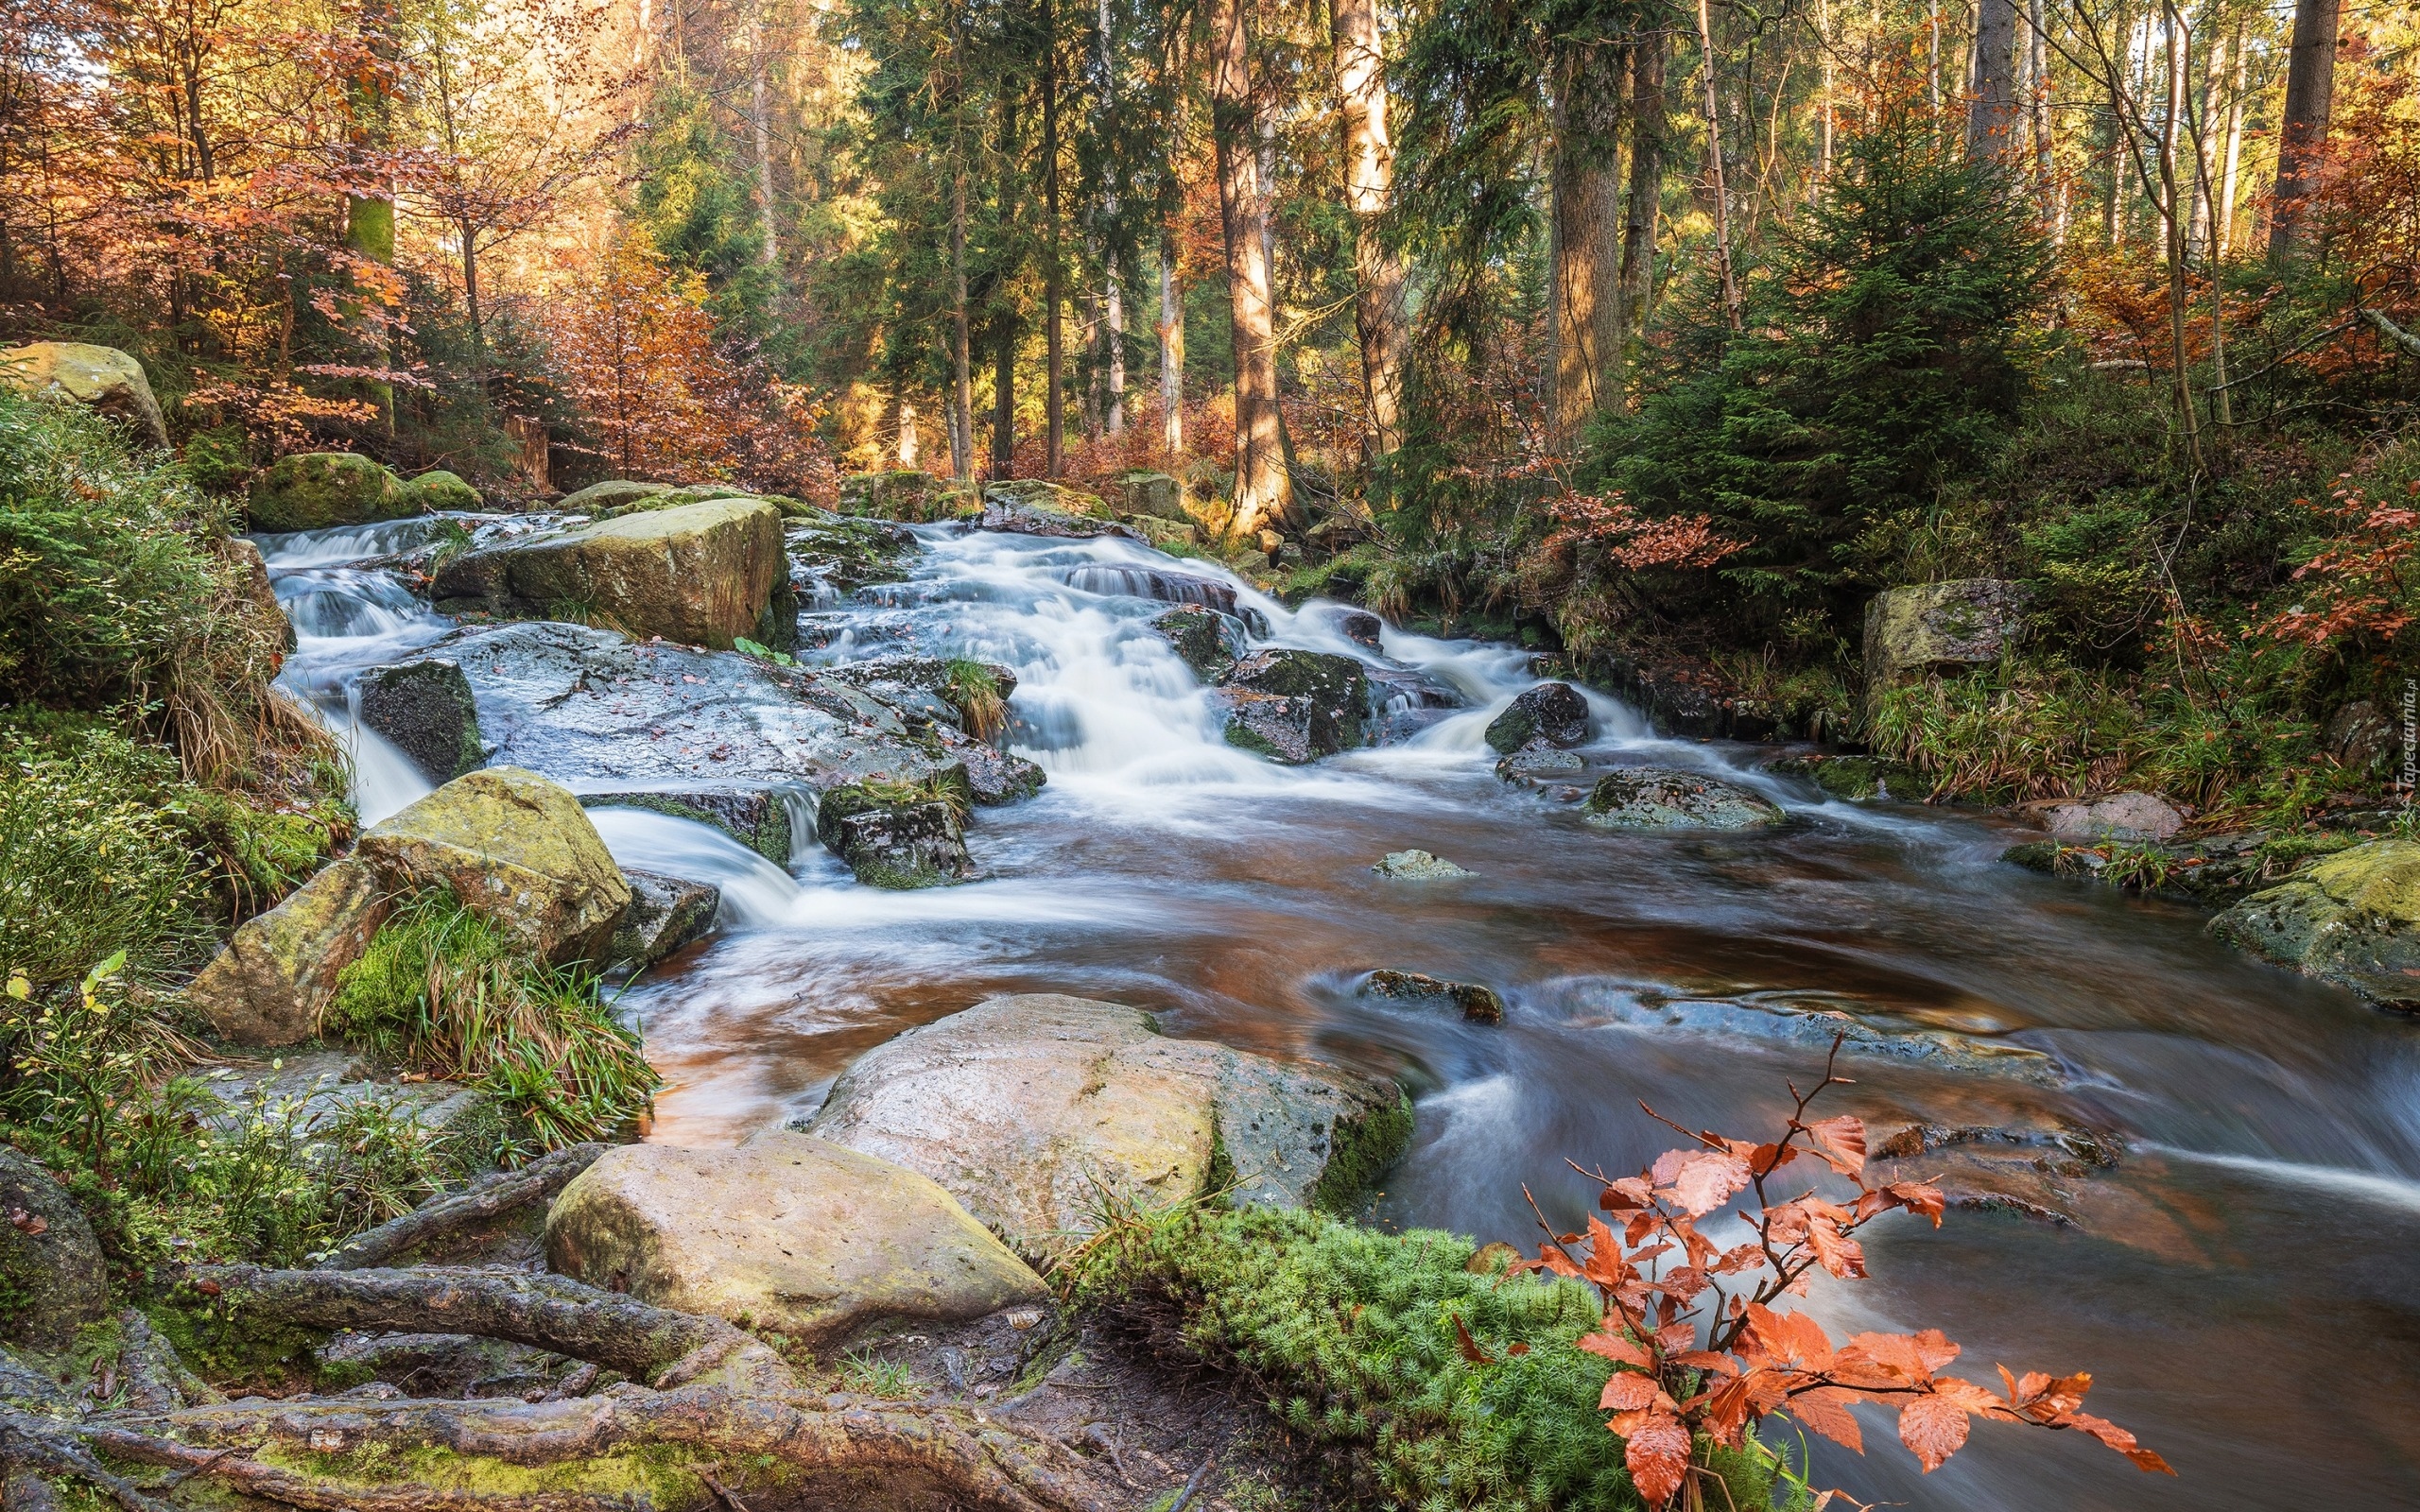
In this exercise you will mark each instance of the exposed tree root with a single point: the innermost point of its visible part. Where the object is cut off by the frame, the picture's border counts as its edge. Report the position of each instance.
(724, 1399)
(499, 1195)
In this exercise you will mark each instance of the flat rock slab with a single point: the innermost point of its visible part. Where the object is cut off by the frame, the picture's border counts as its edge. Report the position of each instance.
(786, 1232)
(1039, 1111)
(703, 573)
(2117, 816)
(1654, 798)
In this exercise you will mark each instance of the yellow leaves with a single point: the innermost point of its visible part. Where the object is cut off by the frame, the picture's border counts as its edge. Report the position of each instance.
(19, 987)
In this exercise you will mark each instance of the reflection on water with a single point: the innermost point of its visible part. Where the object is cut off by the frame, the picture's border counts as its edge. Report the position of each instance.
(2240, 1285)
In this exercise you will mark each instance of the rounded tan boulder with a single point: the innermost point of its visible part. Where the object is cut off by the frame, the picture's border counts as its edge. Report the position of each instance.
(518, 851)
(786, 1232)
(103, 377)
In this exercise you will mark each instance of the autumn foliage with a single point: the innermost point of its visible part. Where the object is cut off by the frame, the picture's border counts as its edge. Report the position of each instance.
(1703, 1351)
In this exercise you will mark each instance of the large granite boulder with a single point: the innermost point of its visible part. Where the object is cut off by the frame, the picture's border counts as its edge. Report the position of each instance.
(270, 985)
(2352, 919)
(611, 494)
(425, 710)
(1552, 713)
(1035, 1111)
(104, 378)
(1295, 707)
(1654, 798)
(442, 490)
(518, 851)
(1030, 507)
(2117, 816)
(312, 491)
(1933, 626)
(52, 1277)
(702, 574)
(787, 1233)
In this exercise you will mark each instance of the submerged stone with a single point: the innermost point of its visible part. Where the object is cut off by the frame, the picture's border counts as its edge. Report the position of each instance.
(1479, 1004)
(1416, 865)
(1654, 798)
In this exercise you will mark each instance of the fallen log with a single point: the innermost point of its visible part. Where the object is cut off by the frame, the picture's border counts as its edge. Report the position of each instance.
(491, 1199)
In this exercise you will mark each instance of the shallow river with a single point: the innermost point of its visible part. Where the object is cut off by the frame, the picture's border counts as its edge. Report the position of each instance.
(2242, 1284)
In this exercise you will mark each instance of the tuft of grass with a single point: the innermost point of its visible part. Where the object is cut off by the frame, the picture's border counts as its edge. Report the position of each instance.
(1350, 1337)
(975, 693)
(890, 1379)
(442, 991)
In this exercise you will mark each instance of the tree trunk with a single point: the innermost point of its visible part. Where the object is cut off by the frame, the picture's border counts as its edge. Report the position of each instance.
(2038, 97)
(1054, 333)
(961, 379)
(1991, 118)
(1114, 315)
(761, 129)
(1584, 299)
(2228, 180)
(2302, 138)
(1824, 122)
(470, 235)
(1369, 184)
(1264, 492)
(2173, 214)
(1004, 401)
(1645, 201)
(1171, 335)
(1714, 167)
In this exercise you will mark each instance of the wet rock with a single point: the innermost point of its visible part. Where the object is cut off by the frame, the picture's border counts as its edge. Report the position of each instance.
(443, 490)
(846, 553)
(2352, 919)
(318, 1086)
(426, 709)
(757, 817)
(993, 777)
(268, 987)
(973, 695)
(2117, 816)
(665, 913)
(1028, 1108)
(52, 1277)
(611, 494)
(1479, 1004)
(102, 378)
(1207, 641)
(786, 1232)
(1552, 712)
(1855, 778)
(1968, 621)
(895, 835)
(1416, 865)
(701, 573)
(1295, 707)
(518, 851)
(1537, 761)
(312, 490)
(1812, 1026)
(593, 711)
(1136, 581)
(1029, 506)
(908, 494)
(1408, 701)
(1358, 626)
(1653, 798)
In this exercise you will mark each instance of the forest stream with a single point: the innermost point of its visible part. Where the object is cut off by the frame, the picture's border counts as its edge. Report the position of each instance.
(2193, 1174)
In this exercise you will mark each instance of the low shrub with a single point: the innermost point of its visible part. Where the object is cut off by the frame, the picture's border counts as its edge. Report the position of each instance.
(442, 991)
(1442, 1386)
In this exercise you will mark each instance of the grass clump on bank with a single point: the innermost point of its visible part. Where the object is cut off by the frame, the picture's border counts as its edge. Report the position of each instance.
(442, 991)
(1355, 1339)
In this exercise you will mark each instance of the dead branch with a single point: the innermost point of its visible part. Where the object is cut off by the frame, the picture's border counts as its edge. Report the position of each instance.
(495, 1196)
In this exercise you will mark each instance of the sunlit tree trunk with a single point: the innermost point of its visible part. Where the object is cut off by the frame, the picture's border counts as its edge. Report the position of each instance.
(1264, 492)
(2302, 140)
(1991, 116)
(2240, 56)
(1171, 335)
(1114, 318)
(760, 129)
(961, 435)
(1054, 333)
(1368, 184)
(1714, 169)
(1583, 300)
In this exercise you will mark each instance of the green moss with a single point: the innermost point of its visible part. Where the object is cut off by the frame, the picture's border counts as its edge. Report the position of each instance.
(658, 1475)
(1362, 1151)
(1244, 737)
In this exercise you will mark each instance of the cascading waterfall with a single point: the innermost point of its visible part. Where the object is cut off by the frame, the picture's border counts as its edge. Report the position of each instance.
(2254, 1114)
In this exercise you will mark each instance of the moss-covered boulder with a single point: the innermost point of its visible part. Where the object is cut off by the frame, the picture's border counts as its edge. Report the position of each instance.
(103, 378)
(312, 491)
(270, 985)
(786, 1232)
(909, 494)
(1476, 1002)
(425, 710)
(1296, 706)
(844, 554)
(1654, 798)
(440, 491)
(702, 574)
(1206, 640)
(1552, 713)
(1028, 1109)
(613, 492)
(2352, 919)
(897, 834)
(1154, 495)
(518, 850)
(52, 1277)
(1932, 627)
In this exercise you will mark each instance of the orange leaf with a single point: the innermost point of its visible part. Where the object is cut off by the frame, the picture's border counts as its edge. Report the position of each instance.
(1658, 1456)
(2116, 1438)
(1823, 1410)
(1933, 1427)
(1840, 1141)
(1615, 1347)
(1707, 1179)
(1628, 1391)
(1471, 1351)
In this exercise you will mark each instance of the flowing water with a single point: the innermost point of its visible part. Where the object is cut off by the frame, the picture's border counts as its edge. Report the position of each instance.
(2240, 1285)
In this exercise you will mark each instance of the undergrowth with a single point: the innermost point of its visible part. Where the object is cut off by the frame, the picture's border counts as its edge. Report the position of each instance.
(442, 991)
(1356, 1339)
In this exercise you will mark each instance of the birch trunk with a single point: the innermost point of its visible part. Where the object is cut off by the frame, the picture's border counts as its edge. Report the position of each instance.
(1264, 492)
(1714, 169)
(1369, 184)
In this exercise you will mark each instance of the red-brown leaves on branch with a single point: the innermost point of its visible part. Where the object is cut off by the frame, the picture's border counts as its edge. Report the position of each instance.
(1700, 1355)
